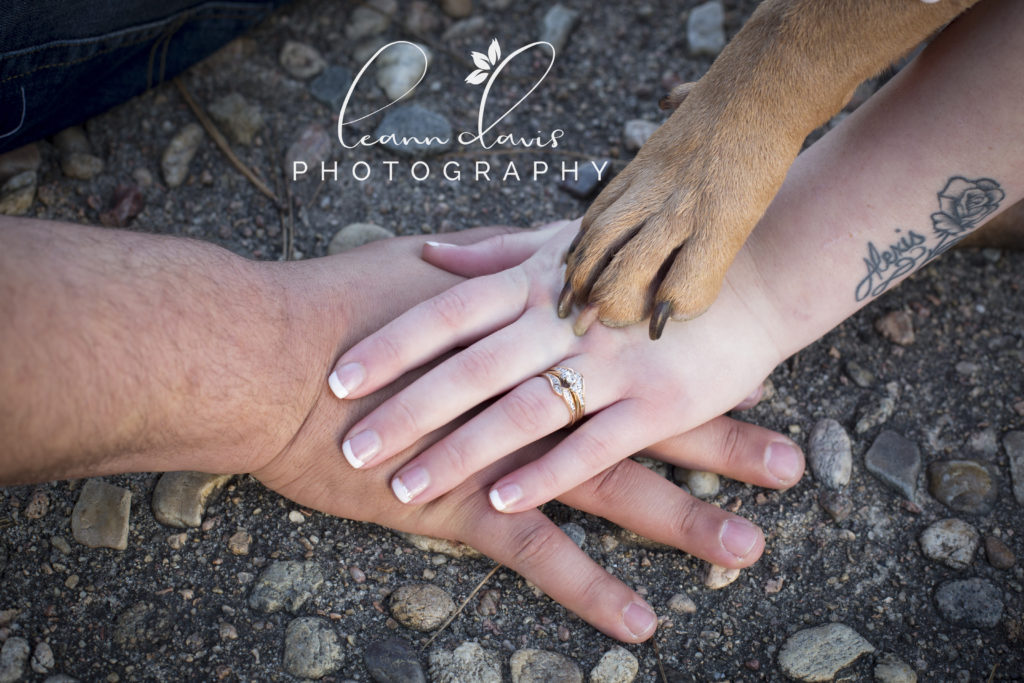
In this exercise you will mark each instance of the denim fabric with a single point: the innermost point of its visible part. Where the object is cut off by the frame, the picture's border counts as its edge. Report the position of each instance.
(63, 61)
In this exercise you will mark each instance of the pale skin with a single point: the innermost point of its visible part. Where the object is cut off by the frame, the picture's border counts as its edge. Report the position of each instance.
(859, 196)
(127, 352)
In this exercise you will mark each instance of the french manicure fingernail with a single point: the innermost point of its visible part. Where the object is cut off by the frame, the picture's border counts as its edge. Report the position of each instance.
(783, 460)
(440, 244)
(738, 537)
(346, 379)
(410, 483)
(639, 619)
(360, 448)
(503, 496)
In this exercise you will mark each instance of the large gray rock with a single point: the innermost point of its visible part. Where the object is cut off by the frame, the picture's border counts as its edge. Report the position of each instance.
(819, 653)
(963, 485)
(393, 661)
(311, 648)
(413, 130)
(400, 67)
(468, 663)
(617, 665)
(370, 18)
(301, 60)
(952, 542)
(100, 517)
(830, 455)
(179, 152)
(285, 585)
(557, 25)
(976, 603)
(543, 666)
(705, 29)
(896, 461)
(636, 132)
(892, 669)
(12, 659)
(421, 606)
(180, 498)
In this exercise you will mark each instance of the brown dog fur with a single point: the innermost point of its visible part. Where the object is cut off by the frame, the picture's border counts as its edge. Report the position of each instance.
(661, 236)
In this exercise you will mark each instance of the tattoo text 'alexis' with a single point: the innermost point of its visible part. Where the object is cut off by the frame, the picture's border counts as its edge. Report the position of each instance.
(963, 205)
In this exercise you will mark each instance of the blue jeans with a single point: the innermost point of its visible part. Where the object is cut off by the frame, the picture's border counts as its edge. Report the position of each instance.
(64, 61)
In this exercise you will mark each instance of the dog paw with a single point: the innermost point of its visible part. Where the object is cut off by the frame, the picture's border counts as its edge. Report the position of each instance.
(658, 241)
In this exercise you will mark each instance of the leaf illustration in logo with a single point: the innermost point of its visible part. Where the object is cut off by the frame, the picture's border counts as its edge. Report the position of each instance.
(484, 63)
(494, 51)
(480, 60)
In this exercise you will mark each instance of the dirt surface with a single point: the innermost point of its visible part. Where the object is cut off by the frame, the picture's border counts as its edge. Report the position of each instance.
(956, 393)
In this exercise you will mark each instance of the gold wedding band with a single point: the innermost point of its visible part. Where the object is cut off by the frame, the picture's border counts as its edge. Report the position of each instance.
(568, 385)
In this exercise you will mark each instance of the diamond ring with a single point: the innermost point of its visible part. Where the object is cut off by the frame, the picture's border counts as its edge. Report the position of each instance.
(568, 385)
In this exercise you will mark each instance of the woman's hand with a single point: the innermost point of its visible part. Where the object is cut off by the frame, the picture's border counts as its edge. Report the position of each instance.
(637, 392)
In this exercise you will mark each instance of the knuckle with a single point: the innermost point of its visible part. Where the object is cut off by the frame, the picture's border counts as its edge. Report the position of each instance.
(450, 307)
(525, 410)
(611, 485)
(478, 363)
(684, 520)
(456, 455)
(533, 545)
(388, 350)
(590, 451)
(403, 416)
(731, 445)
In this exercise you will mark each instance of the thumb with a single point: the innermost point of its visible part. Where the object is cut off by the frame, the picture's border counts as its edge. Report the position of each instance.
(491, 255)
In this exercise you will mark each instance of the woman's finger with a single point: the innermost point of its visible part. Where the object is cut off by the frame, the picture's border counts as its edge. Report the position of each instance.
(635, 498)
(466, 312)
(490, 255)
(489, 367)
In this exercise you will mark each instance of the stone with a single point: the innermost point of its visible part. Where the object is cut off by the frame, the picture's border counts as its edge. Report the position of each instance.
(13, 656)
(239, 117)
(837, 505)
(681, 603)
(100, 517)
(543, 666)
(829, 454)
(703, 485)
(312, 147)
(636, 132)
(860, 375)
(897, 327)
(60, 544)
(878, 411)
(468, 663)
(370, 19)
(1013, 443)
(126, 203)
(311, 648)
(574, 531)
(975, 603)
(239, 542)
(984, 443)
(19, 160)
(143, 624)
(227, 631)
(38, 505)
(617, 665)
(420, 18)
(179, 152)
(17, 194)
(720, 577)
(393, 661)
(180, 498)
(301, 60)
(705, 29)
(819, 653)
(42, 658)
(416, 130)
(952, 542)
(72, 140)
(891, 669)
(963, 485)
(457, 9)
(81, 166)
(60, 678)
(998, 553)
(586, 180)
(400, 68)
(286, 584)
(557, 25)
(296, 517)
(439, 545)
(466, 28)
(895, 461)
(356, 235)
(421, 606)
(331, 86)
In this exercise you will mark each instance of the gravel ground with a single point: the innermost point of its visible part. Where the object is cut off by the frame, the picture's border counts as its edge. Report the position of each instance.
(186, 603)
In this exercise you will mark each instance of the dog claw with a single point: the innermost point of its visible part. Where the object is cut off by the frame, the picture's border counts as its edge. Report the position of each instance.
(565, 301)
(662, 312)
(572, 247)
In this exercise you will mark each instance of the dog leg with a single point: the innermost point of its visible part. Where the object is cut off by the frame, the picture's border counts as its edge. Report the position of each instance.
(663, 233)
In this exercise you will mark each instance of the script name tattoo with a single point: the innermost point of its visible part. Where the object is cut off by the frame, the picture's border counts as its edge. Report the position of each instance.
(963, 205)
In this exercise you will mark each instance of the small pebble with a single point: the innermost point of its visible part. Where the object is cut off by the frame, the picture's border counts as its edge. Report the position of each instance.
(81, 166)
(285, 585)
(300, 60)
(636, 132)
(13, 657)
(177, 541)
(356, 235)
(180, 498)
(17, 194)
(227, 631)
(399, 68)
(829, 454)
(860, 375)
(370, 19)
(179, 152)
(457, 9)
(466, 28)
(439, 545)
(432, 131)
(963, 485)
(60, 544)
(72, 140)
(998, 553)
(311, 648)
(126, 203)
(705, 29)
(38, 505)
(575, 532)
(587, 178)
(19, 160)
(421, 606)
(239, 117)
(975, 603)
(682, 604)
(557, 25)
(543, 666)
(952, 542)
(42, 658)
(720, 577)
(984, 443)
(1013, 443)
(296, 517)
(878, 411)
(617, 665)
(312, 147)
(421, 19)
(331, 86)
(837, 505)
(895, 461)
(100, 517)
(891, 669)
(703, 485)
(819, 653)
(468, 663)
(393, 661)
(239, 542)
(897, 327)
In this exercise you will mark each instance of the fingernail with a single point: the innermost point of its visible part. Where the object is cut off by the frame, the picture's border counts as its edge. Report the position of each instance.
(361, 447)
(783, 460)
(738, 536)
(440, 244)
(565, 300)
(639, 619)
(410, 483)
(752, 400)
(346, 379)
(504, 496)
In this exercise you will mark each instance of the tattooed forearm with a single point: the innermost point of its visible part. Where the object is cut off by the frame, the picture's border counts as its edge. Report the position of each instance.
(963, 206)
